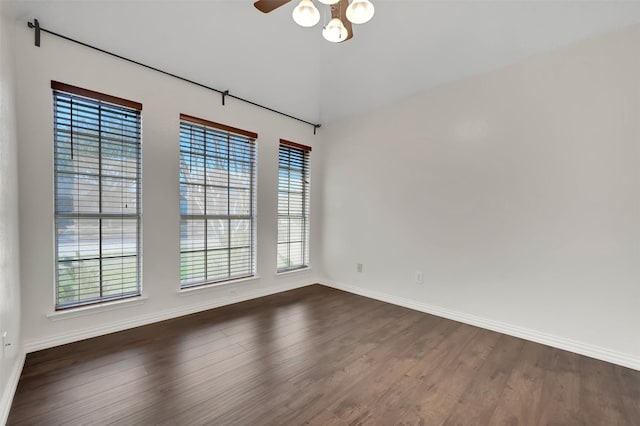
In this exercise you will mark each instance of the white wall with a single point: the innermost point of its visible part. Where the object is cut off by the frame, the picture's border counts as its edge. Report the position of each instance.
(163, 99)
(517, 193)
(11, 356)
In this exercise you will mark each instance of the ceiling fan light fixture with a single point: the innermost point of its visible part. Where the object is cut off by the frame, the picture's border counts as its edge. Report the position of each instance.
(335, 31)
(306, 14)
(360, 11)
(342, 14)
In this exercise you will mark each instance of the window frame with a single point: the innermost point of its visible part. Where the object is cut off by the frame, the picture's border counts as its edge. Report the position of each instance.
(304, 153)
(61, 92)
(239, 136)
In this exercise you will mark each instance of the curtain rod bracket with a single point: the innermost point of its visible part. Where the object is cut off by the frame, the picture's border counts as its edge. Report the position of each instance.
(35, 25)
(316, 127)
(224, 95)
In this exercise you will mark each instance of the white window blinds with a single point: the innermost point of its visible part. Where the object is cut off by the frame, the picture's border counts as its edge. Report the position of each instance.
(217, 202)
(293, 206)
(97, 150)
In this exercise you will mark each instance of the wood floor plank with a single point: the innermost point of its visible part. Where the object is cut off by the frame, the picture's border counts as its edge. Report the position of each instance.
(560, 404)
(333, 364)
(445, 378)
(478, 402)
(599, 405)
(520, 400)
(376, 362)
(191, 385)
(354, 404)
(324, 418)
(318, 356)
(629, 387)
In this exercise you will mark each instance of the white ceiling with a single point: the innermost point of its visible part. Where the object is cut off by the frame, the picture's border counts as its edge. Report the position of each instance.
(408, 46)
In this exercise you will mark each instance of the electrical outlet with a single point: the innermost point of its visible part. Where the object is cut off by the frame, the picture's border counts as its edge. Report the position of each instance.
(419, 277)
(359, 267)
(6, 344)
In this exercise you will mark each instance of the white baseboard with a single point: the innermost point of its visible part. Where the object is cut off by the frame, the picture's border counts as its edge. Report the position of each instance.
(87, 333)
(593, 351)
(10, 390)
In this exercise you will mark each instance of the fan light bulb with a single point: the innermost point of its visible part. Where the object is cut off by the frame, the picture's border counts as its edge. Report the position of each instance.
(360, 11)
(335, 31)
(329, 1)
(305, 14)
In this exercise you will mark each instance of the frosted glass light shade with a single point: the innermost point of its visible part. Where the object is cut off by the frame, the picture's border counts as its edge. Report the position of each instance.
(335, 31)
(360, 11)
(306, 14)
(329, 1)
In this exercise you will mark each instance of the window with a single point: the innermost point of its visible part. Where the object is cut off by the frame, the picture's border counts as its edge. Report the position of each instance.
(97, 152)
(293, 206)
(217, 202)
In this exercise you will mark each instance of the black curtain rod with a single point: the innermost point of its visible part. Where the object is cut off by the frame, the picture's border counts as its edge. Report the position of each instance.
(38, 29)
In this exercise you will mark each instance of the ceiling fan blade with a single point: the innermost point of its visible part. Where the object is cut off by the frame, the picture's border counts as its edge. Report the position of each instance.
(339, 11)
(267, 6)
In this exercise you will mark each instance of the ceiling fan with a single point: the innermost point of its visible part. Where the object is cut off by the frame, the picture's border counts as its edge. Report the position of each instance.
(343, 14)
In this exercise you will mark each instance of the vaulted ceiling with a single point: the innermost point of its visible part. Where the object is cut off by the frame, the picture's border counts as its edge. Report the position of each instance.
(409, 46)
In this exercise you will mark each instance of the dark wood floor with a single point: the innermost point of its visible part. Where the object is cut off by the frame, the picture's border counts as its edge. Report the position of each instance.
(323, 357)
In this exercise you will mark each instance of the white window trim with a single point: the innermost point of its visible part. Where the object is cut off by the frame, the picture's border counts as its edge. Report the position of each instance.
(212, 286)
(81, 311)
(293, 271)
